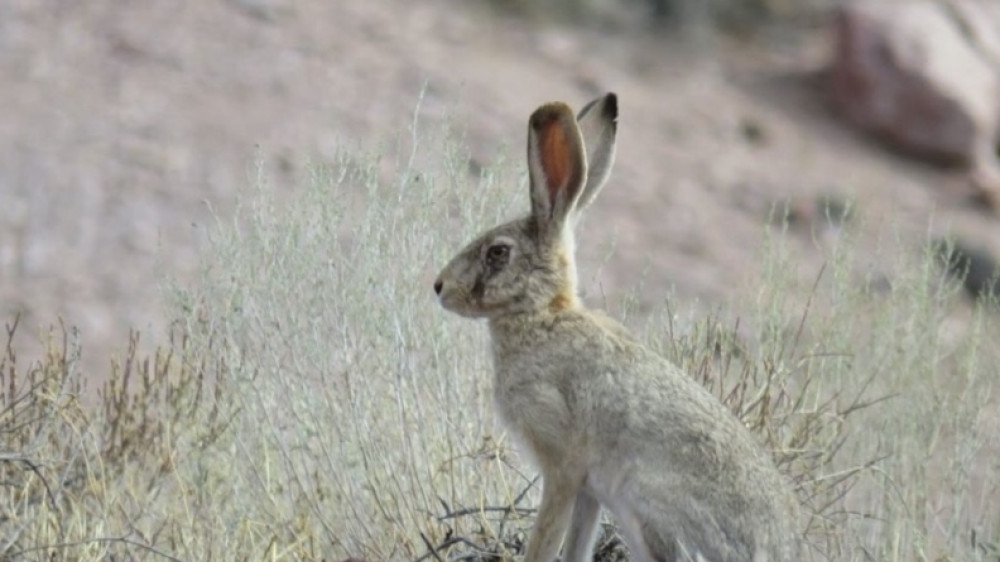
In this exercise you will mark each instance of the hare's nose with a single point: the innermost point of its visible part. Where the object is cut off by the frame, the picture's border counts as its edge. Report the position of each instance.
(437, 287)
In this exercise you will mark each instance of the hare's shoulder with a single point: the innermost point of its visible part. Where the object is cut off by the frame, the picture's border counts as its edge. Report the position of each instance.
(607, 325)
(653, 389)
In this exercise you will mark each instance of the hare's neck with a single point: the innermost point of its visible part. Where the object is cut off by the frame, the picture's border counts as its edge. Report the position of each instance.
(512, 334)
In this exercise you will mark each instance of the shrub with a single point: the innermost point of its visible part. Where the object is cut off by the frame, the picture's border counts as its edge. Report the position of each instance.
(316, 404)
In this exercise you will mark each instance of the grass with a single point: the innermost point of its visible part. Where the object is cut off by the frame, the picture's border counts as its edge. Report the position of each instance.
(314, 402)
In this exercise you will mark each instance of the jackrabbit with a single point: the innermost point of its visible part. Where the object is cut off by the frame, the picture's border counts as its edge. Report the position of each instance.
(607, 421)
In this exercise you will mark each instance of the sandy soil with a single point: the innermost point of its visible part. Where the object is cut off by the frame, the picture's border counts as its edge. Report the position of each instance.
(125, 120)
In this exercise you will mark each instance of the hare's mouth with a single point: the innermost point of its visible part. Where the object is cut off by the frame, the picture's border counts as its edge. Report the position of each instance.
(461, 304)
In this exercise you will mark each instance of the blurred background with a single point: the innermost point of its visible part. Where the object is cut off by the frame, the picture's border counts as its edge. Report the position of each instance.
(128, 125)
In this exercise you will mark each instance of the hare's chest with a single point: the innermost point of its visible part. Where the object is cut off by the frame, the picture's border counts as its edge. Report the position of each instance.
(536, 413)
(508, 419)
(518, 423)
(513, 405)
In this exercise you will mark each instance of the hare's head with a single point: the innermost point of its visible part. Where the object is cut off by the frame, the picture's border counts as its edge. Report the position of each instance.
(527, 264)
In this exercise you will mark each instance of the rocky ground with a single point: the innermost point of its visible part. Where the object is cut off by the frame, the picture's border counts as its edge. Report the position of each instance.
(124, 122)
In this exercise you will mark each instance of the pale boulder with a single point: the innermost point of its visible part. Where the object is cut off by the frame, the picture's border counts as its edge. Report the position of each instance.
(925, 76)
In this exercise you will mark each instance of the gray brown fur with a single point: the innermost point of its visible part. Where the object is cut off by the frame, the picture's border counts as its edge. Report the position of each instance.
(607, 421)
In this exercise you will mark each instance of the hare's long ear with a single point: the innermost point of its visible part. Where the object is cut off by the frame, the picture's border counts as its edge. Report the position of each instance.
(598, 122)
(557, 165)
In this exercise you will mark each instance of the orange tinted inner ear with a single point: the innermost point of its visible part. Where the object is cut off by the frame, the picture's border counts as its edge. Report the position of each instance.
(555, 156)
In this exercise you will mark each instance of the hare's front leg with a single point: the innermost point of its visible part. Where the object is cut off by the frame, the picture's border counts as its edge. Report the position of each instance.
(582, 529)
(558, 498)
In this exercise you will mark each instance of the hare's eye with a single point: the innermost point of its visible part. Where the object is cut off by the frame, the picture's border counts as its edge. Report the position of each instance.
(497, 255)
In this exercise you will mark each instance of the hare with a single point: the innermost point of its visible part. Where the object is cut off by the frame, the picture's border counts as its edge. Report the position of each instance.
(607, 421)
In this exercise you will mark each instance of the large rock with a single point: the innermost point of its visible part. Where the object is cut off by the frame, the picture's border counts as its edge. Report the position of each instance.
(924, 75)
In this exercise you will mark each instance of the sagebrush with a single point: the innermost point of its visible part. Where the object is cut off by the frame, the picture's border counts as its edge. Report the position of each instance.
(314, 403)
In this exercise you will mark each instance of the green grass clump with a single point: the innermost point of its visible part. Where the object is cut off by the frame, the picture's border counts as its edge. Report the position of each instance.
(315, 403)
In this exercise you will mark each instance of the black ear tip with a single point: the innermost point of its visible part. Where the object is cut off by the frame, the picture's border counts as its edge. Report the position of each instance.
(611, 106)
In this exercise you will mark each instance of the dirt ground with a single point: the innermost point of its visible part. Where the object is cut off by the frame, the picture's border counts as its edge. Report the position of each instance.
(124, 121)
